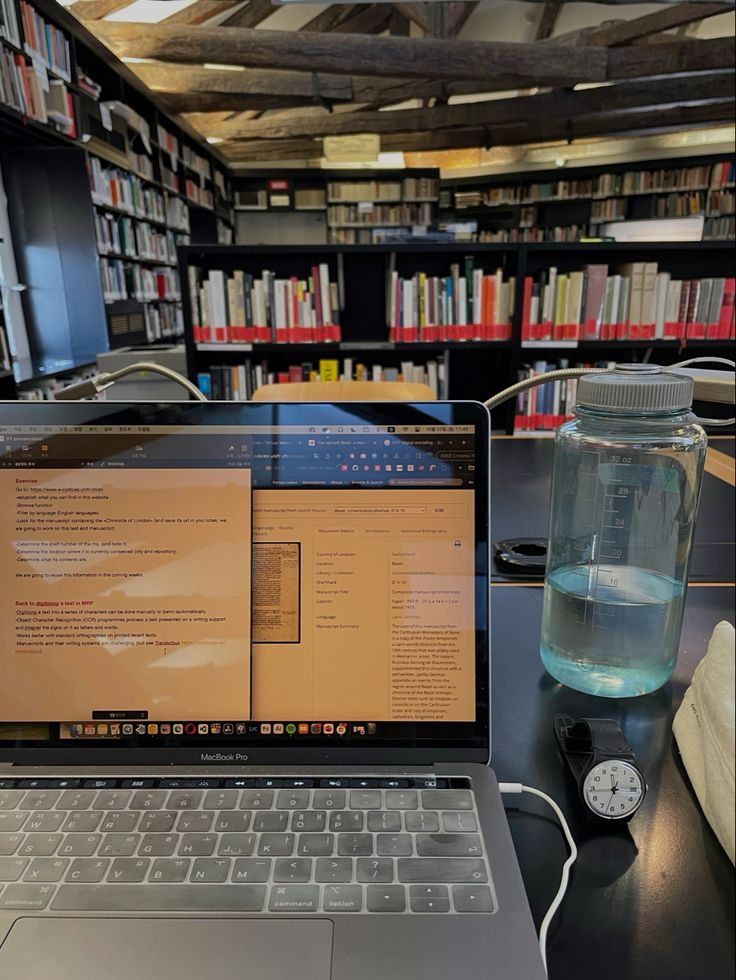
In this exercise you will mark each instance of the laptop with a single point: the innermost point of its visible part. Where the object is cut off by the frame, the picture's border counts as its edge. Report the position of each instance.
(245, 695)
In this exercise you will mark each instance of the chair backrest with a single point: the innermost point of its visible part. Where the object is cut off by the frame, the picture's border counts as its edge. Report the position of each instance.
(345, 391)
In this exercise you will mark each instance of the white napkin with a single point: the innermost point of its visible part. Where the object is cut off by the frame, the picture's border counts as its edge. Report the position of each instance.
(704, 729)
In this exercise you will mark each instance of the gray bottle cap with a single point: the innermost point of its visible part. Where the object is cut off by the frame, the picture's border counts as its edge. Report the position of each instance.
(634, 388)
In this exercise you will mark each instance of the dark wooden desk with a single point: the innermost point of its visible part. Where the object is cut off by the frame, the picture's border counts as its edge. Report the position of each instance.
(654, 901)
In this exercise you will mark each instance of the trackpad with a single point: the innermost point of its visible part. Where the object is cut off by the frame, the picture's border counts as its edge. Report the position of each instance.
(157, 949)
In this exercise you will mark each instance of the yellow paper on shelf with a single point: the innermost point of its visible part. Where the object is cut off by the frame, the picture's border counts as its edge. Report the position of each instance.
(329, 370)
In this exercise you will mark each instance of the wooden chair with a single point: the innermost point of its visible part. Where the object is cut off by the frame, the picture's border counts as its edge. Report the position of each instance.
(345, 391)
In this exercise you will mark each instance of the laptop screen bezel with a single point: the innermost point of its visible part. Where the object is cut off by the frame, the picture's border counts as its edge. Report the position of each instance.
(233, 752)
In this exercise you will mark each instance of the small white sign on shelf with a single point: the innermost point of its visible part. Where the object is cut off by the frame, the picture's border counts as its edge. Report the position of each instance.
(356, 148)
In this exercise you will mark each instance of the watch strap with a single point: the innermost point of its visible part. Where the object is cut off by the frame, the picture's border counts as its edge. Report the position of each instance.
(589, 740)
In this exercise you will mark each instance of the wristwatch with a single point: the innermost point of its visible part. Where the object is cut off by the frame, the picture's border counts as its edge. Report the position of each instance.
(602, 764)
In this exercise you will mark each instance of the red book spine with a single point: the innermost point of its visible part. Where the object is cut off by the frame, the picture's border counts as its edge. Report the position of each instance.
(725, 320)
(525, 325)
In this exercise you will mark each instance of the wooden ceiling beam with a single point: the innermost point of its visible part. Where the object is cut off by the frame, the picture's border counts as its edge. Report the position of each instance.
(456, 16)
(330, 18)
(550, 131)
(252, 14)
(532, 109)
(184, 80)
(673, 15)
(547, 20)
(96, 9)
(427, 58)
(417, 13)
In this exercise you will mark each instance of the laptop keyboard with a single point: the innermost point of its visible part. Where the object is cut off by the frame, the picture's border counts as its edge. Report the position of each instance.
(248, 845)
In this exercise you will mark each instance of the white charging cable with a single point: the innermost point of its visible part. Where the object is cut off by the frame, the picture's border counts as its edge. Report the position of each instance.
(516, 789)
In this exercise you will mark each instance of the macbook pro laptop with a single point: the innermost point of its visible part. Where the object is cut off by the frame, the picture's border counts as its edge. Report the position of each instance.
(245, 696)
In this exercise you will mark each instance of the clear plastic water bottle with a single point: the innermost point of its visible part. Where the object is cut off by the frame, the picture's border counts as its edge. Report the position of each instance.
(625, 490)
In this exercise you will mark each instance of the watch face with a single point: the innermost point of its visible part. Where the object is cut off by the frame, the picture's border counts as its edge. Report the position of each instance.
(613, 789)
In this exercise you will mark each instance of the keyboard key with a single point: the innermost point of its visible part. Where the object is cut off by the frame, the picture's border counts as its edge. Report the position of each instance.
(316, 845)
(429, 898)
(40, 845)
(394, 845)
(364, 783)
(80, 845)
(156, 845)
(184, 800)
(366, 799)
(272, 821)
(448, 845)
(294, 898)
(150, 799)
(447, 799)
(198, 822)
(232, 821)
(308, 821)
(333, 783)
(112, 799)
(355, 845)
(197, 845)
(276, 845)
(119, 845)
(397, 799)
(297, 799)
(393, 783)
(210, 870)
(328, 799)
(9, 843)
(333, 869)
(76, 799)
(385, 898)
(10, 798)
(422, 821)
(441, 869)
(121, 821)
(26, 896)
(158, 822)
(99, 783)
(235, 845)
(384, 821)
(375, 869)
(298, 782)
(256, 799)
(46, 869)
(40, 799)
(84, 822)
(169, 870)
(162, 898)
(220, 799)
(472, 898)
(251, 869)
(128, 869)
(87, 870)
(12, 820)
(458, 822)
(11, 868)
(239, 783)
(346, 820)
(136, 783)
(268, 783)
(44, 822)
(342, 898)
(292, 869)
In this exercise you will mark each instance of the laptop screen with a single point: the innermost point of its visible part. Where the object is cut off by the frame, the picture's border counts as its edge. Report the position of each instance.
(220, 576)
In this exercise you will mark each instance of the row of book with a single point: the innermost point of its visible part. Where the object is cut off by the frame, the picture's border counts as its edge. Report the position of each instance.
(545, 407)
(241, 308)
(136, 239)
(719, 229)
(163, 321)
(608, 209)
(45, 41)
(199, 164)
(168, 143)
(123, 280)
(535, 233)
(465, 305)
(119, 189)
(237, 382)
(700, 177)
(29, 90)
(635, 302)
(408, 189)
(200, 195)
(9, 28)
(380, 214)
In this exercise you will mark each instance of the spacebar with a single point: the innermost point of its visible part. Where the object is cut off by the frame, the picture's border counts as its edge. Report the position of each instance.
(160, 898)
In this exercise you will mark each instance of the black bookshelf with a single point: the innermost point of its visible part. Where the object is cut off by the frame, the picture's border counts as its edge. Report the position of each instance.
(475, 369)
(579, 209)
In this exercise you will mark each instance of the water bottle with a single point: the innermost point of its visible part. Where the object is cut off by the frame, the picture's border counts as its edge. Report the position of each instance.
(627, 475)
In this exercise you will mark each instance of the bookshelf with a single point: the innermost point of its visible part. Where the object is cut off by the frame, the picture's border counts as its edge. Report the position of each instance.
(112, 125)
(471, 368)
(564, 204)
(358, 207)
